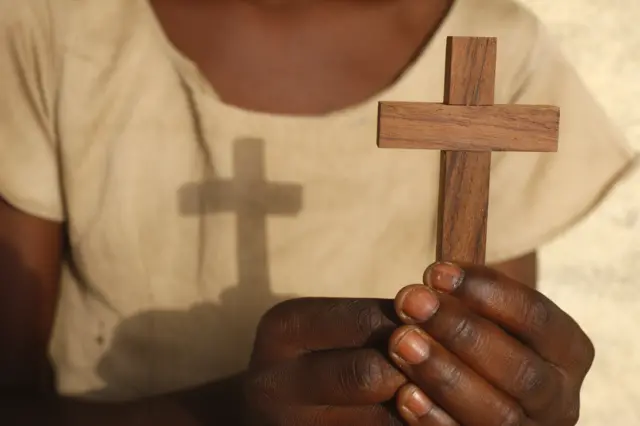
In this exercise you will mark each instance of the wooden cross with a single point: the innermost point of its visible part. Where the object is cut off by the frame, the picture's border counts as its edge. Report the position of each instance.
(466, 128)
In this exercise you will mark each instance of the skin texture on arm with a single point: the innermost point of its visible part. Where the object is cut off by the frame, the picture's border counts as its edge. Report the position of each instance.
(30, 253)
(31, 250)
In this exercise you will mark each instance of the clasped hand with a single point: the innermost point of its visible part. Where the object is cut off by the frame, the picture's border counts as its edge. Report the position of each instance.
(471, 347)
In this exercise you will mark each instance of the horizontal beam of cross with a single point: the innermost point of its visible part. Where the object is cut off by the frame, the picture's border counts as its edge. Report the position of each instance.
(409, 125)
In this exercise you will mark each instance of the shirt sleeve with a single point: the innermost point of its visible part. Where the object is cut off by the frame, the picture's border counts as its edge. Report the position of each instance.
(29, 154)
(535, 197)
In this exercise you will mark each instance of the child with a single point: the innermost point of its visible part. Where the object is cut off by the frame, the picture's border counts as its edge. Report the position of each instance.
(172, 169)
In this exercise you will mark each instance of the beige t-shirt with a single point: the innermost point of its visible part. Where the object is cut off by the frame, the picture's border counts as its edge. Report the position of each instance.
(188, 217)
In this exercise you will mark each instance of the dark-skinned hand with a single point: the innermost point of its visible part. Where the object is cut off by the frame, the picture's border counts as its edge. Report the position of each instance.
(481, 349)
(324, 362)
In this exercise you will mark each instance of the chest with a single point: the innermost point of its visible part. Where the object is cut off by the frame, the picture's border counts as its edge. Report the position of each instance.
(175, 187)
(244, 200)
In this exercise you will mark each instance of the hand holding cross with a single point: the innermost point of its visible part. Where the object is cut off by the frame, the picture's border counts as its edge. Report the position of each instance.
(439, 373)
(467, 127)
(446, 376)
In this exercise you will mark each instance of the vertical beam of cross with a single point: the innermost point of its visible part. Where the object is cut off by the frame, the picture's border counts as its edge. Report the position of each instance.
(253, 199)
(466, 128)
(462, 221)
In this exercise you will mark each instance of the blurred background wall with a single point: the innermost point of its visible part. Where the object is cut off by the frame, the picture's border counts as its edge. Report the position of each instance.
(594, 271)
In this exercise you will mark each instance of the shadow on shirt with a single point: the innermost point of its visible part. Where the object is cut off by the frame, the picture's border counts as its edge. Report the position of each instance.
(162, 351)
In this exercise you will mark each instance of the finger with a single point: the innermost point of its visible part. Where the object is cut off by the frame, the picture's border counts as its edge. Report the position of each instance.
(300, 326)
(519, 309)
(349, 377)
(374, 415)
(450, 383)
(418, 410)
(491, 352)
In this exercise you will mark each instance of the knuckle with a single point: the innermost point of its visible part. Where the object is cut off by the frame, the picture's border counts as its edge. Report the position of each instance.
(451, 377)
(537, 313)
(280, 321)
(465, 333)
(532, 379)
(540, 387)
(365, 374)
(513, 416)
(369, 318)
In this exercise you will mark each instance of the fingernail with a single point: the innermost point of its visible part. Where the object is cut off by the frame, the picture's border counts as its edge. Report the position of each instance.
(412, 347)
(444, 276)
(420, 304)
(417, 403)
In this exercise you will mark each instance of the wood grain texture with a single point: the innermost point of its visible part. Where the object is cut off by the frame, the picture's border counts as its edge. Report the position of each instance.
(470, 70)
(464, 184)
(463, 208)
(416, 125)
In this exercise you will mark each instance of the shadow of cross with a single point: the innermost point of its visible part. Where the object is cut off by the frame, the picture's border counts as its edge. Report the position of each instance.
(252, 198)
(467, 127)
